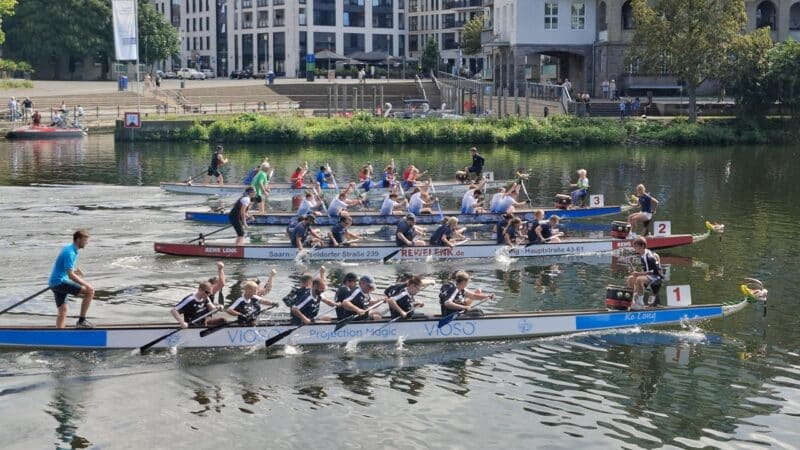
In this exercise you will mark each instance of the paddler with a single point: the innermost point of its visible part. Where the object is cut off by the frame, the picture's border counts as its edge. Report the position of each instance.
(454, 296)
(401, 298)
(238, 215)
(302, 234)
(66, 279)
(196, 305)
(540, 231)
(359, 301)
(649, 277)
(340, 235)
(513, 232)
(648, 205)
(338, 206)
(323, 176)
(218, 282)
(248, 306)
(390, 204)
(446, 233)
(261, 184)
(306, 299)
(217, 161)
(296, 179)
(310, 204)
(365, 176)
(407, 232)
(508, 202)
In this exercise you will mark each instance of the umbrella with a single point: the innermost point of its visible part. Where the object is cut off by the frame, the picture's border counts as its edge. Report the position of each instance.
(370, 57)
(329, 55)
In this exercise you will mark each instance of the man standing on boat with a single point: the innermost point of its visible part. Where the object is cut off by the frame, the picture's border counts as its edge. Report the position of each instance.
(66, 279)
(238, 215)
(217, 161)
(477, 164)
(261, 184)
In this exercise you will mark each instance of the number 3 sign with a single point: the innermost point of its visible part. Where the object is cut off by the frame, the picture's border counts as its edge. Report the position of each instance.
(680, 295)
(596, 200)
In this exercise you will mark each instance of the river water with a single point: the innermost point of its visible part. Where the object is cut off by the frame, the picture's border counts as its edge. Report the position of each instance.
(729, 383)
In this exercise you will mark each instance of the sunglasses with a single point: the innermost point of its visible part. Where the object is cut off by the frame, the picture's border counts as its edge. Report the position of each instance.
(207, 292)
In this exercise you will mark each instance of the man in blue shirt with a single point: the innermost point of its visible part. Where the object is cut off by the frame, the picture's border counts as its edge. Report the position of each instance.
(323, 176)
(66, 279)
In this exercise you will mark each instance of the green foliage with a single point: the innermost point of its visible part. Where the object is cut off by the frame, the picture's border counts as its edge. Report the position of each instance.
(689, 39)
(6, 9)
(744, 74)
(16, 84)
(784, 75)
(158, 39)
(430, 56)
(471, 36)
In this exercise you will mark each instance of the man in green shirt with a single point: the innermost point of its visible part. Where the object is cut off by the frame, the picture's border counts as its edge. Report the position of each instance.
(261, 184)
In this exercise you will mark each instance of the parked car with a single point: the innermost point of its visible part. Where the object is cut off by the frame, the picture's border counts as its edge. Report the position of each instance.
(260, 75)
(170, 75)
(190, 74)
(165, 75)
(242, 74)
(209, 73)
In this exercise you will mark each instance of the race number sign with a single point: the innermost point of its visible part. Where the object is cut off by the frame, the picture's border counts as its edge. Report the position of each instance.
(133, 120)
(489, 176)
(596, 200)
(662, 228)
(680, 295)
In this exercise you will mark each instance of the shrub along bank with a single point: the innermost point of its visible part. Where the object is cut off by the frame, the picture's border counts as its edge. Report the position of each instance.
(563, 130)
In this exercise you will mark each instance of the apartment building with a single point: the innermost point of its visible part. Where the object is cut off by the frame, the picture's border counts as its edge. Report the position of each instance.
(443, 21)
(586, 41)
(228, 35)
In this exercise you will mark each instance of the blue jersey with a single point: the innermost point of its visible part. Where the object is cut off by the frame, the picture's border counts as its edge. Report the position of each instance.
(64, 262)
(646, 202)
(322, 179)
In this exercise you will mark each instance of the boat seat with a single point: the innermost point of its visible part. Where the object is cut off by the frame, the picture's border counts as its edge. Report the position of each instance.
(653, 290)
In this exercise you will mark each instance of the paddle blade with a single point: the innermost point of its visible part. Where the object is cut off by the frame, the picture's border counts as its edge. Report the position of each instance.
(279, 336)
(447, 319)
(143, 349)
(390, 255)
(344, 322)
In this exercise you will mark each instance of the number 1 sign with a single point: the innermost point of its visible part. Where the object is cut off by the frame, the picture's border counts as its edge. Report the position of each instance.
(680, 295)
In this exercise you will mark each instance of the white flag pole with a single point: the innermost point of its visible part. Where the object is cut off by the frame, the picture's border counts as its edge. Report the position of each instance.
(138, 84)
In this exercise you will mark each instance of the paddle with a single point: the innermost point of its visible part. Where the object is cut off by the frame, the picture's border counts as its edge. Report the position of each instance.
(31, 297)
(198, 175)
(391, 255)
(559, 234)
(283, 334)
(333, 178)
(203, 236)
(344, 322)
(452, 316)
(438, 205)
(525, 190)
(214, 329)
(143, 349)
(409, 315)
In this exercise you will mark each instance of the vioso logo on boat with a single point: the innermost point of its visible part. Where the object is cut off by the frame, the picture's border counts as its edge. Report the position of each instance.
(524, 326)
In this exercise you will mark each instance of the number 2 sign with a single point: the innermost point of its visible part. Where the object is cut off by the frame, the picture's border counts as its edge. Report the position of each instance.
(680, 295)
(662, 228)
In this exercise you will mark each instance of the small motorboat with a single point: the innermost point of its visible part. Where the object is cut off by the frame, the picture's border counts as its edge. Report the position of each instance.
(46, 132)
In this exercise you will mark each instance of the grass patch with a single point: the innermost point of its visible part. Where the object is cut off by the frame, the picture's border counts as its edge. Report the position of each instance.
(16, 84)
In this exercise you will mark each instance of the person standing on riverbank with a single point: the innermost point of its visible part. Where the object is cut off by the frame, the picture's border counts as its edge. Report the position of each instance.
(27, 107)
(66, 279)
(217, 161)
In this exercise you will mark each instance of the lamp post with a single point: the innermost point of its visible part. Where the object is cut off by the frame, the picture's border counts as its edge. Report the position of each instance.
(266, 55)
(388, 54)
(329, 49)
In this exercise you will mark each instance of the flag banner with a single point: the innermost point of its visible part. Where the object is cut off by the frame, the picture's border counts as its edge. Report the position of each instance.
(125, 35)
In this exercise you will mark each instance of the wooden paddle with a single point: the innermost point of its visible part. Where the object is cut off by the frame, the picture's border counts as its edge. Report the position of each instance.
(203, 236)
(31, 297)
(143, 349)
(198, 175)
(214, 329)
(278, 337)
(344, 322)
(453, 315)
(438, 205)
(409, 315)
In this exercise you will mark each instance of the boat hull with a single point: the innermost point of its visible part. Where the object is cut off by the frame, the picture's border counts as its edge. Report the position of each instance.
(30, 132)
(422, 219)
(286, 190)
(489, 327)
(386, 252)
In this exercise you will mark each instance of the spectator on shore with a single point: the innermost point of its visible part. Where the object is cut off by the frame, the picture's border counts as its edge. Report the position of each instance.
(567, 85)
(621, 110)
(587, 100)
(12, 109)
(604, 88)
(76, 116)
(148, 81)
(362, 74)
(636, 106)
(27, 107)
(63, 107)
(612, 89)
(158, 81)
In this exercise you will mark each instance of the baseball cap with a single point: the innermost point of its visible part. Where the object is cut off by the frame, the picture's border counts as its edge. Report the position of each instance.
(411, 216)
(368, 280)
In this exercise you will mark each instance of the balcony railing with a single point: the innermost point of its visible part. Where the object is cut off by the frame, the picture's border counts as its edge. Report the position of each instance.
(452, 4)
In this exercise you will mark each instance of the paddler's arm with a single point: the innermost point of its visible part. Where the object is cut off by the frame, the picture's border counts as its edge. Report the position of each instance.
(297, 313)
(178, 318)
(266, 287)
(75, 275)
(220, 278)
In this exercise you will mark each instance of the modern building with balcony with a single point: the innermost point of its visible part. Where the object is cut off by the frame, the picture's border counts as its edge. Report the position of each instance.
(443, 21)
(263, 35)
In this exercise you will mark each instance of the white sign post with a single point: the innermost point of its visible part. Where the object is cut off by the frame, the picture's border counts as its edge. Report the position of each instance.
(680, 295)
(596, 200)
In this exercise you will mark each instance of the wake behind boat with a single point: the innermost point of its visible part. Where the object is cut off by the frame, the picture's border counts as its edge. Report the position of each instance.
(492, 326)
(386, 251)
(374, 218)
(286, 189)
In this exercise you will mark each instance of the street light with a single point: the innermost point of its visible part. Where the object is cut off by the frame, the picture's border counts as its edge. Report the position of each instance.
(388, 53)
(266, 55)
(329, 56)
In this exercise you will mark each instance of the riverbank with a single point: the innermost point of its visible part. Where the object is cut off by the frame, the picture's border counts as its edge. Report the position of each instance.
(365, 129)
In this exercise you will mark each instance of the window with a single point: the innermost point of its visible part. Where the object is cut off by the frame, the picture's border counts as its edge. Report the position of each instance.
(208, 43)
(279, 18)
(353, 42)
(551, 16)
(247, 3)
(413, 43)
(201, 39)
(325, 12)
(627, 16)
(401, 22)
(207, 27)
(247, 20)
(278, 3)
(766, 15)
(194, 24)
(261, 3)
(201, 23)
(578, 17)
(382, 43)
(263, 19)
(301, 17)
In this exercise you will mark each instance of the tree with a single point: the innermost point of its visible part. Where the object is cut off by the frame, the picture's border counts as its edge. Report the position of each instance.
(6, 9)
(689, 39)
(745, 73)
(158, 39)
(784, 75)
(61, 33)
(430, 56)
(471, 36)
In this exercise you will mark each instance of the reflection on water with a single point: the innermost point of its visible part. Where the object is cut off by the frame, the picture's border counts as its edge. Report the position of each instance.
(727, 383)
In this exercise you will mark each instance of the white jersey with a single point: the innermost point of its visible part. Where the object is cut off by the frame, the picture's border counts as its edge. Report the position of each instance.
(416, 203)
(495, 200)
(388, 206)
(336, 207)
(468, 205)
(306, 207)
